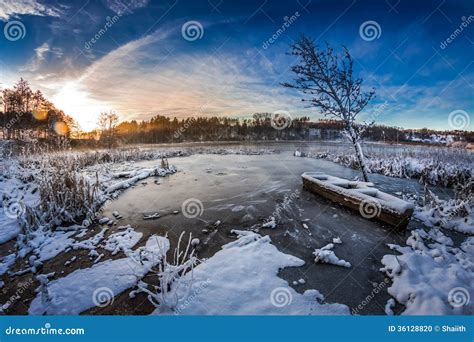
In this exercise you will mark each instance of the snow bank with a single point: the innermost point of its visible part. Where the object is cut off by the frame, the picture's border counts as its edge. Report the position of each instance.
(14, 195)
(9, 228)
(81, 289)
(241, 279)
(7, 262)
(52, 244)
(433, 279)
(137, 175)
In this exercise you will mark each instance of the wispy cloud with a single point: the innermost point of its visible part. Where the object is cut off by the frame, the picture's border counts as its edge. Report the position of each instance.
(143, 78)
(43, 50)
(43, 55)
(126, 6)
(16, 8)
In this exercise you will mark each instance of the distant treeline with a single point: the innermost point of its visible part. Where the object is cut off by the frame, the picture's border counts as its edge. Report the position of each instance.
(162, 129)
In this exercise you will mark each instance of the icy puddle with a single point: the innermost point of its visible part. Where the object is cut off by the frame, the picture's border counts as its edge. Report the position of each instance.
(225, 192)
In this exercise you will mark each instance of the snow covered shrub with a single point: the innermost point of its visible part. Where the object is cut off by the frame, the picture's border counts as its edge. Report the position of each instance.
(456, 214)
(164, 163)
(170, 277)
(435, 166)
(65, 197)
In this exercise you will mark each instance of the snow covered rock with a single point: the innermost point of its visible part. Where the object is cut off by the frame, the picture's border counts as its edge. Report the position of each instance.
(326, 255)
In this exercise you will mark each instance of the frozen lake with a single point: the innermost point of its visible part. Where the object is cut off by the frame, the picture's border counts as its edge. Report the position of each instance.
(245, 190)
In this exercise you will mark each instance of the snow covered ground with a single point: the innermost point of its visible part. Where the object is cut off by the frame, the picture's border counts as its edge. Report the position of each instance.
(430, 276)
(97, 285)
(19, 187)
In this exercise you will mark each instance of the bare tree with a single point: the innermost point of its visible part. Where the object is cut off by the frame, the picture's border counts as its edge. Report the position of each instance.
(328, 81)
(107, 123)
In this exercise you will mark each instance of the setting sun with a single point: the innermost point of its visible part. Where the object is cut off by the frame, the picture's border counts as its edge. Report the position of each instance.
(78, 103)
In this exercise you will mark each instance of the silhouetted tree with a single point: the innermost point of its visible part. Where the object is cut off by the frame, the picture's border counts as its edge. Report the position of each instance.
(107, 123)
(327, 80)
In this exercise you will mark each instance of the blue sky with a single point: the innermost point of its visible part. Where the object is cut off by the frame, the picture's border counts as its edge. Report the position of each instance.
(132, 56)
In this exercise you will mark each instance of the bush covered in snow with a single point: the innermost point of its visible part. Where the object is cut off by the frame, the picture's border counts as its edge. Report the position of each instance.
(65, 198)
(435, 166)
(165, 295)
(456, 213)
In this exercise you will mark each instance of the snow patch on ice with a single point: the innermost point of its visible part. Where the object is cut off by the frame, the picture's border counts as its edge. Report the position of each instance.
(241, 279)
(270, 223)
(122, 240)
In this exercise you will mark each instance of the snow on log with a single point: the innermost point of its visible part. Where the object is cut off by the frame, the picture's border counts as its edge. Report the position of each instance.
(362, 196)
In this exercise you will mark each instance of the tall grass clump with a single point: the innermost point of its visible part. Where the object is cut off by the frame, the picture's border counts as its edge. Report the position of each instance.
(66, 198)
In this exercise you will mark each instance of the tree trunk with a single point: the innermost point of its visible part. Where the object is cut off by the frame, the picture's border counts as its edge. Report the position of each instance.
(359, 154)
(360, 158)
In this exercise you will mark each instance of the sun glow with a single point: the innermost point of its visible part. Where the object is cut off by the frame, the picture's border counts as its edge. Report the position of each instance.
(77, 103)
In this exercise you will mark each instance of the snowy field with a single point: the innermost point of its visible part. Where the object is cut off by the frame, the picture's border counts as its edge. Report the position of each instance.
(206, 229)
